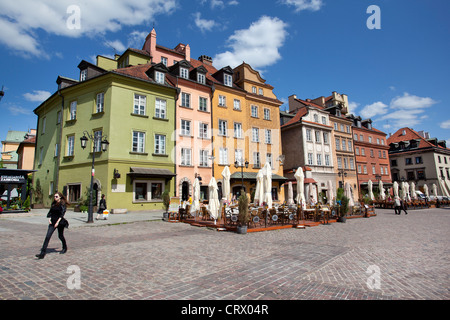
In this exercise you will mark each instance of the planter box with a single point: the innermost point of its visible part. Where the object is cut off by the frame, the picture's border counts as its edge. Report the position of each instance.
(116, 211)
(37, 206)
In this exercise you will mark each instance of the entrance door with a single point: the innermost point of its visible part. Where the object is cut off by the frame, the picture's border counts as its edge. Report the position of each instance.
(185, 191)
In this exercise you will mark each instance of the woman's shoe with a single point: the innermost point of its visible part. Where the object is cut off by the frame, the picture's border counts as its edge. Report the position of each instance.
(40, 255)
(64, 250)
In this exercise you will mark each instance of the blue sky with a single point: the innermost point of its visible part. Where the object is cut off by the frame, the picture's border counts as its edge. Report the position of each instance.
(397, 75)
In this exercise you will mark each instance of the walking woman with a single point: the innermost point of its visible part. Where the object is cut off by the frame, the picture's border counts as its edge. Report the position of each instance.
(101, 207)
(56, 221)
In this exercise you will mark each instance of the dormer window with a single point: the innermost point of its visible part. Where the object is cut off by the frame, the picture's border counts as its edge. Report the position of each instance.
(201, 78)
(83, 75)
(159, 77)
(228, 80)
(184, 73)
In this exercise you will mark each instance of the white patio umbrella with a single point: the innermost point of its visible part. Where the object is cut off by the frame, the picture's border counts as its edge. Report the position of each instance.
(214, 203)
(349, 194)
(403, 193)
(434, 188)
(408, 196)
(226, 174)
(195, 207)
(330, 192)
(290, 200)
(382, 194)
(259, 191)
(14, 194)
(300, 177)
(427, 192)
(371, 196)
(413, 191)
(267, 172)
(395, 189)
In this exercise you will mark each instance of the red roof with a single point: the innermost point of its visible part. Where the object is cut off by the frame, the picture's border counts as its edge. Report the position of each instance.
(410, 134)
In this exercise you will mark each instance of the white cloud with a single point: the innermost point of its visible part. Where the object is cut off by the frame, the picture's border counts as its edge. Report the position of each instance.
(37, 95)
(258, 45)
(117, 45)
(203, 24)
(409, 102)
(445, 124)
(353, 106)
(19, 20)
(219, 3)
(374, 109)
(16, 110)
(300, 5)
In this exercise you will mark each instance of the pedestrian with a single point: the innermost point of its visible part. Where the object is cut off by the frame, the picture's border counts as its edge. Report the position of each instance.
(101, 207)
(402, 207)
(397, 205)
(56, 221)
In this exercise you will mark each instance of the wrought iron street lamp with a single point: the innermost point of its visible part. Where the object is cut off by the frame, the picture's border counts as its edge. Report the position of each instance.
(342, 173)
(96, 139)
(241, 164)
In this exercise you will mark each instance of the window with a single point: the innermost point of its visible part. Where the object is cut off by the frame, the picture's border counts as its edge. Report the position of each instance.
(339, 161)
(379, 153)
(319, 159)
(327, 160)
(237, 130)
(393, 162)
(348, 129)
(159, 77)
(371, 153)
(370, 139)
(237, 104)
(254, 110)
(223, 156)
(266, 114)
(420, 174)
(140, 191)
(228, 80)
(156, 188)
(204, 158)
(363, 151)
(378, 140)
(254, 90)
(345, 163)
(316, 117)
(408, 161)
(357, 151)
(317, 135)
(325, 138)
(310, 159)
(44, 122)
(203, 130)
(260, 91)
(70, 147)
(256, 160)
(58, 117)
(222, 128)
(160, 108)
(186, 157)
(355, 137)
(410, 175)
(184, 73)
(344, 145)
(41, 155)
(350, 145)
(338, 144)
(342, 127)
(100, 102)
(83, 75)
(308, 135)
(74, 192)
(222, 101)
(238, 156)
(361, 138)
(255, 134)
(73, 110)
(160, 144)
(336, 126)
(140, 103)
(185, 100)
(164, 61)
(138, 142)
(352, 164)
(98, 141)
(201, 78)
(202, 104)
(373, 170)
(365, 169)
(268, 136)
(324, 120)
(185, 127)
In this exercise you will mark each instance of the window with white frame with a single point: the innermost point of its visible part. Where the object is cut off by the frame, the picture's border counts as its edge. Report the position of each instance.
(310, 159)
(359, 168)
(159, 77)
(316, 117)
(160, 144)
(186, 157)
(73, 110)
(203, 157)
(365, 169)
(185, 100)
(160, 108)
(228, 80)
(256, 160)
(185, 127)
(308, 135)
(269, 159)
(324, 120)
(83, 75)
(222, 128)
(260, 91)
(164, 61)
(44, 124)
(317, 135)
(266, 114)
(352, 164)
(254, 111)
(325, 138)
(201, 78)
(203, 130)
(97, 140)
(138, 143)
(239, 156)
(254, 89)
(338, 144)
(223, 156)
(268, 136)
(184, 73)
(237, 104)
(255, 134)
(147, 190)
(140, 103)
(344, 145)
(222, 101)
(345, 163)
(339, 161)
(319, 159)
(327, 160)
(237, 130)
(70, 146)
(100, 102)
(202, 104)
(363, 151)
(350, 145)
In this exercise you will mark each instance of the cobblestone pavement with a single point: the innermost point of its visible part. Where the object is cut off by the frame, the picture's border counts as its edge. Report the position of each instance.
(163, 261)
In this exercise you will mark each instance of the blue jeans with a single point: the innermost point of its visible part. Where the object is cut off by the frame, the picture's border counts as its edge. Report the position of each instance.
(50, 230)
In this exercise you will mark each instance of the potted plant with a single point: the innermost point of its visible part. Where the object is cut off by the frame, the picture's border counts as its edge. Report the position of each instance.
(166, 204)
(343, 209)
(243, 215)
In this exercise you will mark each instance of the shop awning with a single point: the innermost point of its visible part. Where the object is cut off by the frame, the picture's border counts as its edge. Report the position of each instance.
(139, 172)
(252, 176)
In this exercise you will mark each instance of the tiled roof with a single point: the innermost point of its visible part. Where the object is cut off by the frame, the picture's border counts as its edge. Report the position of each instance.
(410, 134)
(300, 113)
(139, 72)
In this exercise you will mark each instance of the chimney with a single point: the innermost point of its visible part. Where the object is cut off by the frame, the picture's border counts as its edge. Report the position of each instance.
(205, 60)
(150, 42)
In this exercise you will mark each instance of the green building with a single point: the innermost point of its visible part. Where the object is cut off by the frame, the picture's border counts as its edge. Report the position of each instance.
(133, 107)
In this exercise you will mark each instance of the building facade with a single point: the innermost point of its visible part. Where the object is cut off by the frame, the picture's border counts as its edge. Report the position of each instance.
(415, 157)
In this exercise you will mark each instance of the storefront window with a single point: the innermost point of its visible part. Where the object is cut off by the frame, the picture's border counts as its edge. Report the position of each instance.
(140, 191)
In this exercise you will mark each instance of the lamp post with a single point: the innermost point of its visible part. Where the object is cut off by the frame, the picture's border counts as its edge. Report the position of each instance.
(240, 164)
(342, 173)
(96, 139)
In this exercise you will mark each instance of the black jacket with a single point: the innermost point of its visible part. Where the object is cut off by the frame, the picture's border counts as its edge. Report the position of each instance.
(58, 210)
